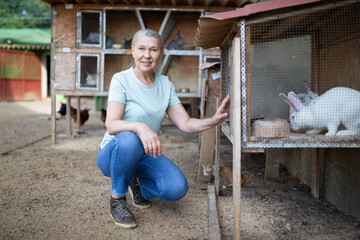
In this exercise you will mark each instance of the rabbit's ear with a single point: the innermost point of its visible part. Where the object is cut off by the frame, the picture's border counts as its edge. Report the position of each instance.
(289, 101)
(307, 86)
(295, 99)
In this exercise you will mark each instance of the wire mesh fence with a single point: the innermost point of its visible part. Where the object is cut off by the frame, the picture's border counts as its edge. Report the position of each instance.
(301, 82)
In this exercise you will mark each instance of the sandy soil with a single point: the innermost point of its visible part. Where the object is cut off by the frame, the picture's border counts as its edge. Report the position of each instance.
(57, 192)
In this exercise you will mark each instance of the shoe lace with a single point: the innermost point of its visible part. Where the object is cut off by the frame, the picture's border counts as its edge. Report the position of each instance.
(137, 191)
(123, 208)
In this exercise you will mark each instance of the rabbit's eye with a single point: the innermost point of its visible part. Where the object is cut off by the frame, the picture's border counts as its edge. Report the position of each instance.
(292, 117)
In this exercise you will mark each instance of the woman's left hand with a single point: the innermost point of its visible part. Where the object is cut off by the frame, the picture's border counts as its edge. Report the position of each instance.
(222, 111)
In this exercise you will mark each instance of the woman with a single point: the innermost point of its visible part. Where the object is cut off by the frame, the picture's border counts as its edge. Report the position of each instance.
(130, 153)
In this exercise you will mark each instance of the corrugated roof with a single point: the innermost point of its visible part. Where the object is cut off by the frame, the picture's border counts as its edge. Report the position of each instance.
(213, 28)
(25, 38)
(207, 3)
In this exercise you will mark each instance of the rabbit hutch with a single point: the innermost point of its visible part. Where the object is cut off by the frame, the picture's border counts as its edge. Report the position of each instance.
(91, 41)
(309, 51)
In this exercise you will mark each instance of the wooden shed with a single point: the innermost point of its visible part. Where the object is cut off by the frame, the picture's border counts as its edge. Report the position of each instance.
(270, 48)
(90, 42)
(24, 63)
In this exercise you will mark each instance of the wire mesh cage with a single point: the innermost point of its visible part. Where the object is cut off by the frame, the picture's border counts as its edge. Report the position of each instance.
(90, 31)
(88, 77)
(301, 79)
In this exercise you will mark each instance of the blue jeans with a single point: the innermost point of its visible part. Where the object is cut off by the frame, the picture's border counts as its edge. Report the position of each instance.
(124, 158)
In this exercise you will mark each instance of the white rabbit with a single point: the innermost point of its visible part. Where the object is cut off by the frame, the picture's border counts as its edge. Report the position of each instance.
(337, 105)
(91, 79)
(309, 95)
(305, 98)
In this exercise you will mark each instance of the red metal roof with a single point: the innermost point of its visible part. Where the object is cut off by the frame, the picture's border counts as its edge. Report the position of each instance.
(259, 7)
(208, 37)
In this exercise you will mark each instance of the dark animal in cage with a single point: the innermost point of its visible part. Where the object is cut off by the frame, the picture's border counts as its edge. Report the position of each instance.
(94, 38)
(127, 43)
(62, 110)
(337, 105)
(176, 44)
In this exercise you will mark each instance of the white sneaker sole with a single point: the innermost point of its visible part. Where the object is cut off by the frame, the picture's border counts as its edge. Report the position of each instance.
(132, 199)
(123, 225)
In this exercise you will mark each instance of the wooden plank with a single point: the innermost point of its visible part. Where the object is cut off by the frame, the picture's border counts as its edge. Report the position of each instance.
(272, 168)
(202, 100)
(248, 78)
(65, 71)
(214, 224)
(252, 150)
(317, 172)
(207, 142)
(165, 64)
(194, 107)
(78, 113)
(139, 17)
(217, 154)
(68, 116)
(236, 136)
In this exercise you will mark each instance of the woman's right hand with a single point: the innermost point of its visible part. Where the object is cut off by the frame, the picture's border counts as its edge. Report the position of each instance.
(149, 139)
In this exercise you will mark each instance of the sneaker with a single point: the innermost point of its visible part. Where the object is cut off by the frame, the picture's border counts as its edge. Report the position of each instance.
(121, 214)
(137, 198)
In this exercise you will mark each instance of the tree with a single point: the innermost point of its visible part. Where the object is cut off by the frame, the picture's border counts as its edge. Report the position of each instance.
(24, 13)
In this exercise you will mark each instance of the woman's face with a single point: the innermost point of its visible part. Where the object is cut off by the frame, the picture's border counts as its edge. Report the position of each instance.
(146, 53)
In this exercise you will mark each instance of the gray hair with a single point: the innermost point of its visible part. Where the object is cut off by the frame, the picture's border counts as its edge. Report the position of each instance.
(149, 33)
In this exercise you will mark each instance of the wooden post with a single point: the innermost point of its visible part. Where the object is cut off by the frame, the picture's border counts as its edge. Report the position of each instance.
(272, 168)
(236, 136)
(207, 147)
(217, 154)
(52, 85)
(78, 113)
(53, 112)
(68, 116)
(317, 172)
(214, 226)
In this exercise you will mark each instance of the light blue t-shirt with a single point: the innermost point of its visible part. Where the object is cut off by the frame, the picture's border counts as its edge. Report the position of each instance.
(143, 103)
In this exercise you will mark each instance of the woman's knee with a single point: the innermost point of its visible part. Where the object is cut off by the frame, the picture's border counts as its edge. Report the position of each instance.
(176, 189)
(128, 141)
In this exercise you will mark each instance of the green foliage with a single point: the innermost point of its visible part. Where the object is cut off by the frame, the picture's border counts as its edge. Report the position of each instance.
(24, 13)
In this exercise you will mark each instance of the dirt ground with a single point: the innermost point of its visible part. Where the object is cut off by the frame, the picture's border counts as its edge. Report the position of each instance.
(57, 192)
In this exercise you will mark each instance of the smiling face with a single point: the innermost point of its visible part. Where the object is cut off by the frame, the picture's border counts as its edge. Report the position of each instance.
(146, 53)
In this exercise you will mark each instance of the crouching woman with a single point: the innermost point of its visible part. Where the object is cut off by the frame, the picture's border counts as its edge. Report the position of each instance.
(130, 153)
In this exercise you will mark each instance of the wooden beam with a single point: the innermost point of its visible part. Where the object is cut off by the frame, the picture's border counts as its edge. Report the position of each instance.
(217, 153)
(317, 172)
(167, 26)
(53, 113)
(139, 17)
(223, 3)
(272, 165)
(165, 64)
(214, 223)
(207, 142)
(236, 136)
(68, 116)
(78, 113)
(283, 26)
(202, 100)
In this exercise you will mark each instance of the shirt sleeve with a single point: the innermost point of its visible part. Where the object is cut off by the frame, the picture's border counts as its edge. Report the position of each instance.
(174, 99)
(117, 92)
